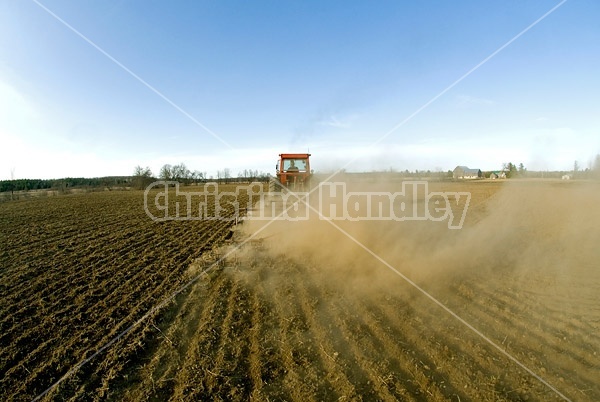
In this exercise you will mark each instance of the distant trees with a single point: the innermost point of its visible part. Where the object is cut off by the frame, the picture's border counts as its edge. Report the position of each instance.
(576, 172)
(224, 175)
(197, 175)
(176, 173)
(591, 172)
(249, 175)
(141, 177)
(142, 172)
(575, 169)
(64, 183)
(165, 172)
(596, 167)
(181, 173)
(511, 170)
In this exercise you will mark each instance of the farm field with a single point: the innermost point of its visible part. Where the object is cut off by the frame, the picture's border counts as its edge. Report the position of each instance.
(305, 310)
(76, 270)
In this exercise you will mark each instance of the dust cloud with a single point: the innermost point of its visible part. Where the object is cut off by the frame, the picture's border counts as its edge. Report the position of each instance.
(523, 271)
(522, 230)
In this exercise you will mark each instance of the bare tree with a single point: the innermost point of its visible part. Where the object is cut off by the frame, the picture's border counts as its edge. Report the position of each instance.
(226, 174)
(141, 176)
(198, 175)
(166, 172)
(180, 173)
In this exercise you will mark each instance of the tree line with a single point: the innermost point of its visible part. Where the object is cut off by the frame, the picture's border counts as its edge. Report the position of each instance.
(142, 176)
(590, 172)
(60, 184)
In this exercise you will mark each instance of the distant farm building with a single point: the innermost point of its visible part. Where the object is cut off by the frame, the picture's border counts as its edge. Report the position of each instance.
(498, 175)
(566, 177)
(463, 172)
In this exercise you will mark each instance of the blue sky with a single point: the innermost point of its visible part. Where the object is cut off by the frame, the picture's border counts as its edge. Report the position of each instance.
(267, 77)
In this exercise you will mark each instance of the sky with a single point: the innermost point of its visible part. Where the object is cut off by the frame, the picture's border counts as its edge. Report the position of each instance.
(94, 88)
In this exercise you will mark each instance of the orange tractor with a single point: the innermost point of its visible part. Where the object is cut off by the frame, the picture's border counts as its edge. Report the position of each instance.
(292, 172)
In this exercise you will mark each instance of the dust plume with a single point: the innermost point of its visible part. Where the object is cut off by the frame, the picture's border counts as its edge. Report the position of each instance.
(518, 228)
(522, 272)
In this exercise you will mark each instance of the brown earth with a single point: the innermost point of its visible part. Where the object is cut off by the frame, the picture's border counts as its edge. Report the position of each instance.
(304, 311)
(76, 271)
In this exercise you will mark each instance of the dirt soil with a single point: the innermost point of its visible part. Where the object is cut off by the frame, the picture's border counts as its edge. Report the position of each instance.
(505, 308)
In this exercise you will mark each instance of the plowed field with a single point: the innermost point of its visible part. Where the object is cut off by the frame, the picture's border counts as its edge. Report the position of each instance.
(76, 271)
(506, 308)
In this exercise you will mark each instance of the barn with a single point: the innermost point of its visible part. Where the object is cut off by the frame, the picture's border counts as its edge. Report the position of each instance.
(463, 172)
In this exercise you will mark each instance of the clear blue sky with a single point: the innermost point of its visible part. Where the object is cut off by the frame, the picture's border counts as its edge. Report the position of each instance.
(268, 77)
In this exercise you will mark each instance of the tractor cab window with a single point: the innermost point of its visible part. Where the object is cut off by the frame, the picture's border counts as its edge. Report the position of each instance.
(294, 165)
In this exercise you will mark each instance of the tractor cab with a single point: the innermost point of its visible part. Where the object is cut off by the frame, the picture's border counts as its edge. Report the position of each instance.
(293, 171)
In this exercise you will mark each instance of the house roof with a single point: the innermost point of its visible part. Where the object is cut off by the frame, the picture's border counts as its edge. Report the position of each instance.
(467, 170)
